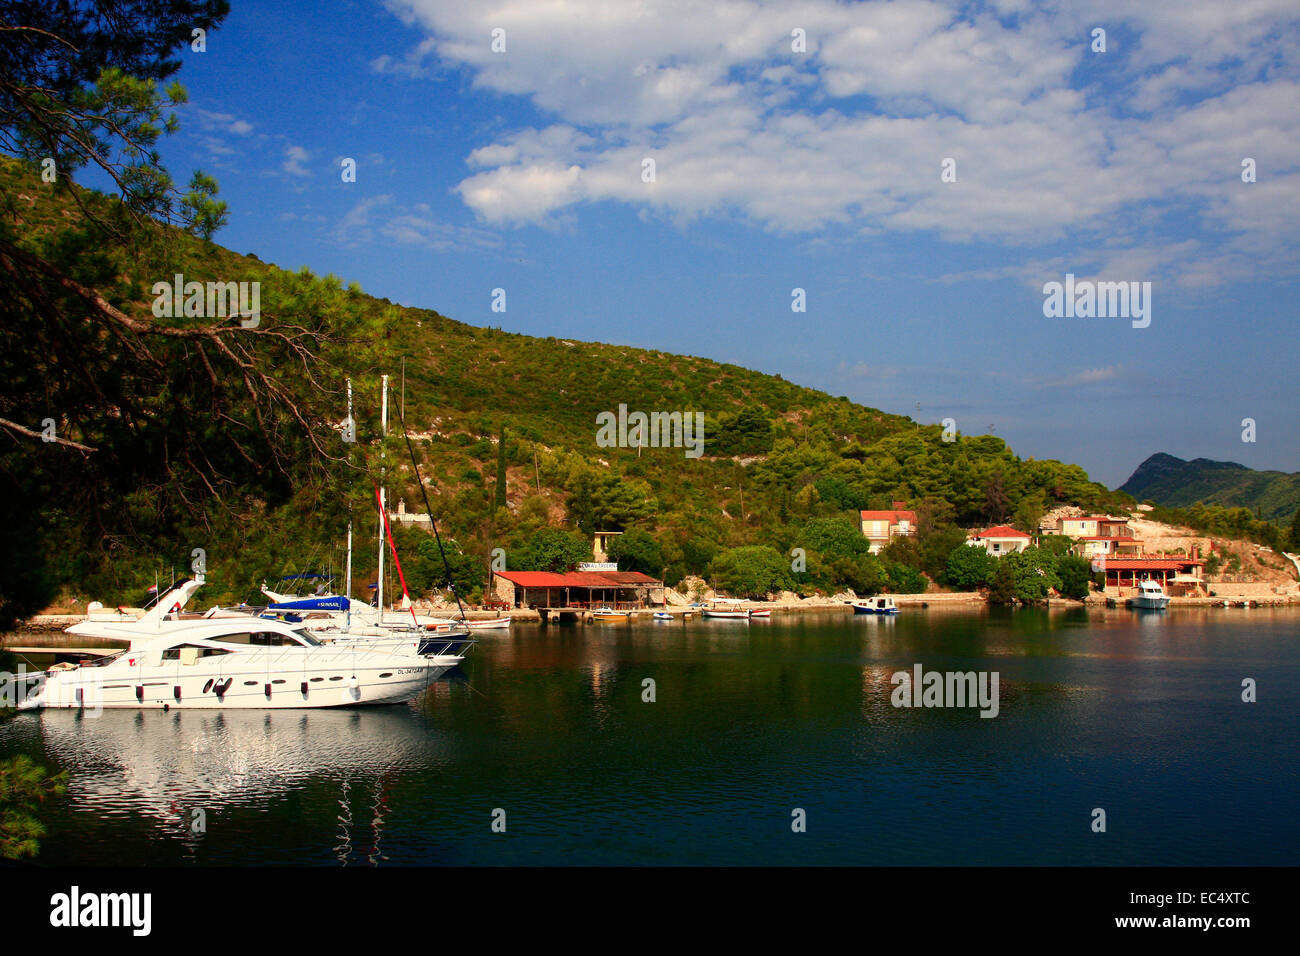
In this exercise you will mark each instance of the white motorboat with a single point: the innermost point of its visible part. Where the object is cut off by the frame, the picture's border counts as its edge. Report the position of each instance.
(1150, 597)
(245, 664)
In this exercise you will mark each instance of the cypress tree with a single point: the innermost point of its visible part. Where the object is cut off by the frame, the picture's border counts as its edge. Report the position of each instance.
(500, 501)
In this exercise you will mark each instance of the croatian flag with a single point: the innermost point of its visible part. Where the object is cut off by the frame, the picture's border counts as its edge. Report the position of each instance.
(152, 590)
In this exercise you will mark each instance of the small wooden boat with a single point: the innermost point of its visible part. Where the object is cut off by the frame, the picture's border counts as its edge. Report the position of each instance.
(726, 609)
(662, 616)
(610, 615)
(491, 625)
(764, 612)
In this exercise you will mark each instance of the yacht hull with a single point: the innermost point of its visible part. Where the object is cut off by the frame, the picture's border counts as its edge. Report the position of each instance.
(236, 687)
(1148, 603)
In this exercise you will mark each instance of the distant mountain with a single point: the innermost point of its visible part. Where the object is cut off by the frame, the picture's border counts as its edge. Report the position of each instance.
(1176, 483)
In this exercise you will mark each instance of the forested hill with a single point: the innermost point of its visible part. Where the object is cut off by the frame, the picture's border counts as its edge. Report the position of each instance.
(1176, 483)
(209, 435)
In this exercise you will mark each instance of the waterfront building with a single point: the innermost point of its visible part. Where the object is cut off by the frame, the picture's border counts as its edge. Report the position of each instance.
(577, 589)
(881, 527)
(1177, 574)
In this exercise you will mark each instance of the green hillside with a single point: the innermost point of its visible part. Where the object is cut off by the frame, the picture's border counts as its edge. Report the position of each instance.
(216, 437)
(1175, 483)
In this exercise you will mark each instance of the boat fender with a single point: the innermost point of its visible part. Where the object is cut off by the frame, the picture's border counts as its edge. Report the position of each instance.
(176, 692)
(304, 688)
(81, 697)
(268, 691)
(139, 693)
(354, 687)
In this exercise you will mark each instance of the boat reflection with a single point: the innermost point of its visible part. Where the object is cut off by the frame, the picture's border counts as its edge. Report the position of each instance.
(184, 767)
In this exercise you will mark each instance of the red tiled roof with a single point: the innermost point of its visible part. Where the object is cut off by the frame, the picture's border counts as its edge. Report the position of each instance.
(577, 579)
(1002, 531)
(893, 517)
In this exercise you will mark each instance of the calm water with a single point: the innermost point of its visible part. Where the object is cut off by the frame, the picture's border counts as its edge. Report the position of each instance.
(1137, 714)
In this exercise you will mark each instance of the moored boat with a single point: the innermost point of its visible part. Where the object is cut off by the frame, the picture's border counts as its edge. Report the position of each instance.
(496, 623)
(246, 664)
(726, 609)
(1150, 597)
(881, 604)
(610, 615)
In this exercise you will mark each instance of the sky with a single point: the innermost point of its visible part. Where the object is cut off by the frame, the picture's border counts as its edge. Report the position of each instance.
(921, 169)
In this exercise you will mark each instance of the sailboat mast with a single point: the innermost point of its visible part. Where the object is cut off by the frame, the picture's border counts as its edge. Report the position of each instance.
(347, 573)
(383, 432)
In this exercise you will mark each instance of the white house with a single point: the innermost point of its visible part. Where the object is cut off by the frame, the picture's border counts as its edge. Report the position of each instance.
(1000, 540)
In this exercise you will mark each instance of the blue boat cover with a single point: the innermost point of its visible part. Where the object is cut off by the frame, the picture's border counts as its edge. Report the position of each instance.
(335, 603)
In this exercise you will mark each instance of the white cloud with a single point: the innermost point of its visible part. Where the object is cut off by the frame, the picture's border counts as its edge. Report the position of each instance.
(1090, 376)
(1050, 140)
(295, 156)
(413, 226)
(222, 123)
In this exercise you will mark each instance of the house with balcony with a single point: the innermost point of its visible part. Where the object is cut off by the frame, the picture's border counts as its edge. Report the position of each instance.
(1099, 536)
(1096, 546)
(881, 527)
(1094, 526)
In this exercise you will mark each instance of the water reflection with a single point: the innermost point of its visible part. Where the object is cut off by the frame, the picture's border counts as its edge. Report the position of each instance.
(1140, 713)
(167, 766)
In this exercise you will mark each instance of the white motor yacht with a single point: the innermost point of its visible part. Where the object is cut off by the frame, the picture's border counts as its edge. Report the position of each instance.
(1150, 597)
(245, 664)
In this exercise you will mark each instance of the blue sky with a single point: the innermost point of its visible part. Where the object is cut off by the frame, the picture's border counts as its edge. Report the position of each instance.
(820, 169)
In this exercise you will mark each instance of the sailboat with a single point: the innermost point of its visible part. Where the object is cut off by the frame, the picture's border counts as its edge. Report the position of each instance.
(337, 617)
